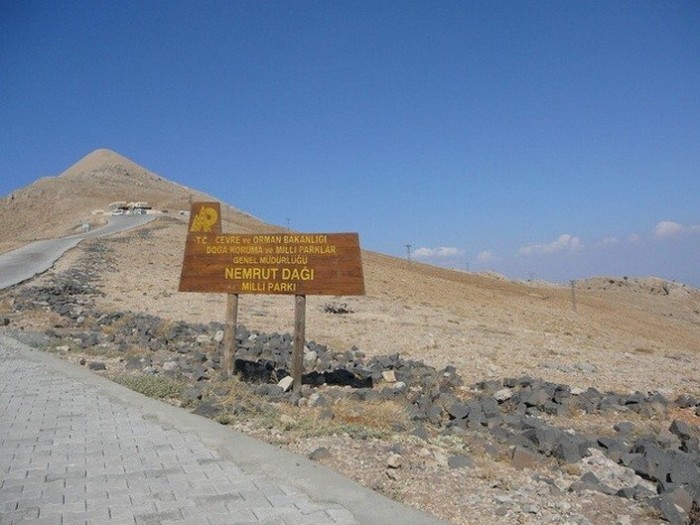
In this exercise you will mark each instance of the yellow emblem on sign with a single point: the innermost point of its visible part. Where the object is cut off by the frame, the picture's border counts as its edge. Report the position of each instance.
(204, 220)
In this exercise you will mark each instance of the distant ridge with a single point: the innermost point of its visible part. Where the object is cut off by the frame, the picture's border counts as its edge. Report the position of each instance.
(56, 206)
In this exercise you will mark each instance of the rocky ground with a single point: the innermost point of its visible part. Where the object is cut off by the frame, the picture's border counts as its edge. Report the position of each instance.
(500, 448)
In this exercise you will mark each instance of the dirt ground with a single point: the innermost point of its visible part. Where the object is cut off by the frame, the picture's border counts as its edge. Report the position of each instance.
(614, 334)
(619, 338)
(623, 337)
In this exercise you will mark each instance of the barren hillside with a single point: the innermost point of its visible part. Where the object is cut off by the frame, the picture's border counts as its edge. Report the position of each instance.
(56, 206)
(615, 334)
(484, 325)
(616, 339)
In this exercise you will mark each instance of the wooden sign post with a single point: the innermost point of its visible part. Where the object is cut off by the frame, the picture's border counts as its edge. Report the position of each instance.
(230, 332)
(298, 264)
(299, 341)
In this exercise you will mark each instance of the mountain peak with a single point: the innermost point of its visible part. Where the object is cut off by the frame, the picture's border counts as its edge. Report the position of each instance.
(84, 191)
(100, 160)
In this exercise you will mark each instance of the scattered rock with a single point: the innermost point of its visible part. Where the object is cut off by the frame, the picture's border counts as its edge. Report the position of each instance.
(681, 429)
(392, 474)
(523, 458)
(624, 427)
(170, 366)
(320, 454)
(670, 512)
(503, 395)
(310, 359)
(208, 409)
(286, 383)
(273, 392)
(394, 461)
(456, 462)
(664, 466)
(504, 500)
(334, 308)
(389, 376)
(421, 432)
(97, 365)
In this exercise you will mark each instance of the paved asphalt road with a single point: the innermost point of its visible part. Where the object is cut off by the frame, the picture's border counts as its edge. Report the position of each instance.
(76, 448)
(26, 262)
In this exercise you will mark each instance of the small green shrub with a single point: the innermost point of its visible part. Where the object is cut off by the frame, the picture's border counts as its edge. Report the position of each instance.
(224, 419)
(152, 386)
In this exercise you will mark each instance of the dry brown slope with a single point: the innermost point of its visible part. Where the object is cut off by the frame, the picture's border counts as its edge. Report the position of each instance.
(502, 318)
(645, 319)
(626, 338)
(484, 325)
(487, 327)
(56, 206)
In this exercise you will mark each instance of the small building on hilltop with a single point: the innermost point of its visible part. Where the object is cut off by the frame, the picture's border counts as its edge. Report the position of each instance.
(129, 208)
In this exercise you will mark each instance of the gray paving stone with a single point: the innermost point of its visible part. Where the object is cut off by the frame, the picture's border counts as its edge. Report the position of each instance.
(78, 449)
(316, 518)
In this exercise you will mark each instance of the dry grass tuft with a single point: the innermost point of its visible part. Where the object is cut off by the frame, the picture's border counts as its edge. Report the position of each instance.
(362, 420)
(359, 419)
(381, 415)
(157, 387)
(242, 398)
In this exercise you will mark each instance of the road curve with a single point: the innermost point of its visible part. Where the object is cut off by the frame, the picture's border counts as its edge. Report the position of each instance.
(24, 263)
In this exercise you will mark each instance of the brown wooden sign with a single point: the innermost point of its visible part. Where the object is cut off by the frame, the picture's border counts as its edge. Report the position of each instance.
(268, 263)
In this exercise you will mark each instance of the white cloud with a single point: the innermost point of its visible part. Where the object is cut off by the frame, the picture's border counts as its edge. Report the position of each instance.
(609, 241)
(667, 228)
(486, 256)
(565, 242)
(634, 237)
(442, 251)
(671, 228)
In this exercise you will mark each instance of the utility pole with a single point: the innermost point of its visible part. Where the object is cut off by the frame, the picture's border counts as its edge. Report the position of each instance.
(408, 252)
(289, 228)
(573, 294)
(467, 266)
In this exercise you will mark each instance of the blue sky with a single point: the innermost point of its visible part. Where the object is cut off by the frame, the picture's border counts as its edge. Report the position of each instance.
(554, 140)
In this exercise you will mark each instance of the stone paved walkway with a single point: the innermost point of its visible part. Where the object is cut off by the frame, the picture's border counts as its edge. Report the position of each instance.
(78, 449)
